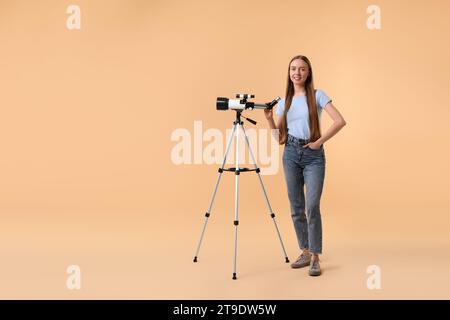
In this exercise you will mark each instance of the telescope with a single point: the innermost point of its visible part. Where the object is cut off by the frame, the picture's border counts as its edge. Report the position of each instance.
(241, 103)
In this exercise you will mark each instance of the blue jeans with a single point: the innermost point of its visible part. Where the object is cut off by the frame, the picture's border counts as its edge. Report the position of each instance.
(305, 166)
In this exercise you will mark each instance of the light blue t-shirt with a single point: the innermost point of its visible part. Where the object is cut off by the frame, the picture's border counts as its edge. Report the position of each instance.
(298, 115)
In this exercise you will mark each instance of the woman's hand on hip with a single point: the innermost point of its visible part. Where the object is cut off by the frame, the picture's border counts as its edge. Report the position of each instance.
(312, 145)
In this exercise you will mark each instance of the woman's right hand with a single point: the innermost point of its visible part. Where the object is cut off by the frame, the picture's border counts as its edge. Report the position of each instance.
(268, 113)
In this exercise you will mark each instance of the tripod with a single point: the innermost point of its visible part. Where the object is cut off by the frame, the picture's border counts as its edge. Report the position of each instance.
(236, 125)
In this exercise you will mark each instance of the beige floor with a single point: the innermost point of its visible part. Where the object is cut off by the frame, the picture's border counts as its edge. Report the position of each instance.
(133, 258)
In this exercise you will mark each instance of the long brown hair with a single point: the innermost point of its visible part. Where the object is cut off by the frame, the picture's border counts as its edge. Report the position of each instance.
(314, 125)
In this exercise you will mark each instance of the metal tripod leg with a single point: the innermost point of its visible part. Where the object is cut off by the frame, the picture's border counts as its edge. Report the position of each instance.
(265, 194)
(214, 193)
(236, 221)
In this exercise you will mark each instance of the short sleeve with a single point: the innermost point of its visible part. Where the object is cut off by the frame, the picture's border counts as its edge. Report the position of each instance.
(280, 108)
(322, 99)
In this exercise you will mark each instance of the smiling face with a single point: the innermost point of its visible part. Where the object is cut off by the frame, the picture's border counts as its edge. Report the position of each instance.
(298, 71)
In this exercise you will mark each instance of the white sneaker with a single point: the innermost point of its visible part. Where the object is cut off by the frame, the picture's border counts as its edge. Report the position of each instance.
(314, 268)
(302, 261)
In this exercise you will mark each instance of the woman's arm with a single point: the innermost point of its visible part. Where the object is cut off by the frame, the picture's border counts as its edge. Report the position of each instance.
(273, 126)
(337, 125)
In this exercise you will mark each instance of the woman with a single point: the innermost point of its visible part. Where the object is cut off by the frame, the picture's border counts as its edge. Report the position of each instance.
(304, 156)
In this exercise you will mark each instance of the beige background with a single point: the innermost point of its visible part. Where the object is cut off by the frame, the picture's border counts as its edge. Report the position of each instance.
(85, 167)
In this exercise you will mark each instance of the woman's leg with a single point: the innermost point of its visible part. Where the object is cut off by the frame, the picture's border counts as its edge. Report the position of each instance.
(314, 174)
(295, 184)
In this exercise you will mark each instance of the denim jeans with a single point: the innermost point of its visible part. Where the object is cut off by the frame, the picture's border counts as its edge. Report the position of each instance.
(305, 166)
